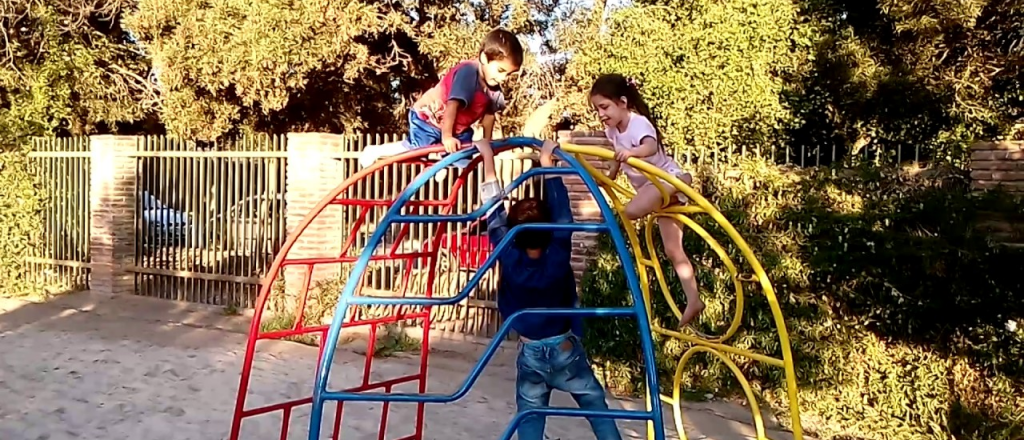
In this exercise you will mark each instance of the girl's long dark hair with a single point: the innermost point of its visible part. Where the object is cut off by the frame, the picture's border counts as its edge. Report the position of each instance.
(615, 87)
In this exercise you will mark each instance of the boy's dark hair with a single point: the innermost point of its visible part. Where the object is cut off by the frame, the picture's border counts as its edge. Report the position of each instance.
(530, 210)
(615, 87)
(501, 44)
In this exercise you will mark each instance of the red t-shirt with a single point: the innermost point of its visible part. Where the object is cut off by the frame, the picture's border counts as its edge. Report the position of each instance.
(461, 83)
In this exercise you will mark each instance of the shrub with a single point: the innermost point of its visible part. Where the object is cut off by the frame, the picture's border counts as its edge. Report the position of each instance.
(20, 221)
(898, 308)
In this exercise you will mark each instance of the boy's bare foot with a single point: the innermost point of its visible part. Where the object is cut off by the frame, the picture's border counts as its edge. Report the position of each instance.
(693, 310)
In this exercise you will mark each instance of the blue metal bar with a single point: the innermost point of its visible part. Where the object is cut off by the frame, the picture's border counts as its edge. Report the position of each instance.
(478, 369)
(479, 212)
(633, 281)
(320, 392)
(323, 371)
(484, 268)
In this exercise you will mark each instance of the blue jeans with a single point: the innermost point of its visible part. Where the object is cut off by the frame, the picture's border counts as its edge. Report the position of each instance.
(422, 134)
(558, 363)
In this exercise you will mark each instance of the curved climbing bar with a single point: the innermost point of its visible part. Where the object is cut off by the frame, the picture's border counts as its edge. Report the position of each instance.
(704, 343)
(321, 394)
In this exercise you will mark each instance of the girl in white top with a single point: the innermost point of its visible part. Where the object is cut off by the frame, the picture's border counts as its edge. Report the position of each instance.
(628, 126)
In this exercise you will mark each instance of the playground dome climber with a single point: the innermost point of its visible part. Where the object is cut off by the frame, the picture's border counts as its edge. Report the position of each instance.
(428, 217)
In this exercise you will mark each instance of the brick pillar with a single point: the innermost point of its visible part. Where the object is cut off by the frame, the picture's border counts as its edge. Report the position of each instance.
(584, 206)
(1000, 165)
(311, 173)
(112, 197)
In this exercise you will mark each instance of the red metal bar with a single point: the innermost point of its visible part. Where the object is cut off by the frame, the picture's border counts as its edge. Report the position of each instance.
(280, 334)
(384, 383)
(398, 240)
(308, 400)
(275, 269)
(337, 420)
(352, 259)
(285, 418)
(368, 360)
(387, 203)
(300, 313)
(354, 230)
(281, 260)
(384, 416)
(424, 350)
(277, 406)
(406, 275)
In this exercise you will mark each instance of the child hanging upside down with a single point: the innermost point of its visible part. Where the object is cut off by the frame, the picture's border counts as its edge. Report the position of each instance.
(468, 93)
(628, 126)
(536, 273)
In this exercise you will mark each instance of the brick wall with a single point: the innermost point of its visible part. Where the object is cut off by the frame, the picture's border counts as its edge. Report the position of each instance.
(1000, 165)
(584, 205)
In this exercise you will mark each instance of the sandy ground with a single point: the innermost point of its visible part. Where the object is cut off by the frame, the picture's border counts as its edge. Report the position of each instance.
(89, 366)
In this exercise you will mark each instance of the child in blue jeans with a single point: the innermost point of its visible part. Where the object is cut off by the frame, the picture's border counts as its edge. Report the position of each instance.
(536, 273)
(468, 93)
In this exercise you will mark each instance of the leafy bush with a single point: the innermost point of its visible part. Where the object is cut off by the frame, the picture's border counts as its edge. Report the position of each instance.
(20, 207)
(905, 320)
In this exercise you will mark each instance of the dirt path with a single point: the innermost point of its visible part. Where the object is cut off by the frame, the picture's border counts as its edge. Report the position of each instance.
(87, 366)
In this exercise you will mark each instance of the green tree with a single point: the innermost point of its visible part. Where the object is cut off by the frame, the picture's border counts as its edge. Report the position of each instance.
(822, 76)
(67, 67)
(712, 70)
(930, 76)
(338, 66)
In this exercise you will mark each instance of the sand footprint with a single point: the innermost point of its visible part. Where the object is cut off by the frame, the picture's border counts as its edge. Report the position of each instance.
(174, 411)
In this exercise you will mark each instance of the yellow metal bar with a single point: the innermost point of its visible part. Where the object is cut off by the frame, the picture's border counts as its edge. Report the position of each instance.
(715, 346)
(730, 266)
(696, 340)
(755, 409)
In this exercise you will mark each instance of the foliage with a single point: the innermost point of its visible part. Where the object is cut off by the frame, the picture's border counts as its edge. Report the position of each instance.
(67, 67)
(337, 66)
(286, 321)
(897, 74)
(905, 320)
(20, 208)
(822, 77)
(392, 340)
(712, 70)
(320, 302)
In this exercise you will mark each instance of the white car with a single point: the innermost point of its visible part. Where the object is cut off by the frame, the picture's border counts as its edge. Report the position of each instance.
(164, 226)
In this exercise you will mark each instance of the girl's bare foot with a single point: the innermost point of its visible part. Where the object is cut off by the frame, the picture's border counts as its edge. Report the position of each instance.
(693, 310)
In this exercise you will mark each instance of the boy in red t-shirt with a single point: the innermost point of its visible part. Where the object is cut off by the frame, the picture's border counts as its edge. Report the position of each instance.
(468, 92)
